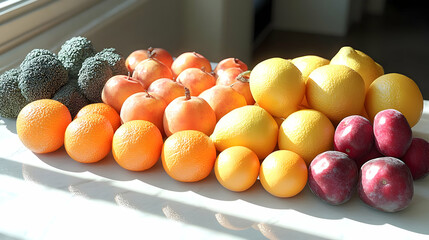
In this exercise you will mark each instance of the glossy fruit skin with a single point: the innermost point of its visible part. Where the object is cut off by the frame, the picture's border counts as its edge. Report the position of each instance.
(277, 86)
(230, 63)
(354, 136)
(139, 55)
(167, 89)
(144, 106)
(257, 131)
(417, 158)
(150, 70)
(88, 138)
(137, 145)
(41, 125)
(102, 109)
(190, 60)
(397, 91)
(386, 184)
(188, 156)
(192, 113)
(337, 91)
(196, 80)
(118, 88)
(333, 177)
(237, 168)
(359, 62)
(306, 132)
(283, 173)
(392, 133)
(223, 99)
(230, 77)
(373, 153)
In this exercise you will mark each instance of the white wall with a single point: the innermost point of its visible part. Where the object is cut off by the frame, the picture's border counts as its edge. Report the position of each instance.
(215, 28)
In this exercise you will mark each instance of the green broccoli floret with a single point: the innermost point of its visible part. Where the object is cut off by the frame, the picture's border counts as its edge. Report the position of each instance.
(115, 60)
(74, 52)
(70, 96)
(36, 53)
(11, 99)
(92, 77)
(41, 77)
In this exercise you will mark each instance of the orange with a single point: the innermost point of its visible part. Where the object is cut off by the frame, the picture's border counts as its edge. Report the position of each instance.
(188, 156)
(306, 132)
(236, 168)
(283, 173)
(336, 90)
(88, 138)
(41, 125)
(137, 145)
(395, 91)
(102, 109)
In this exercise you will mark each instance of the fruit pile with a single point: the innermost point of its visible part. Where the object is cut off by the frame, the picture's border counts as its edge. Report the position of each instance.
(339, 125)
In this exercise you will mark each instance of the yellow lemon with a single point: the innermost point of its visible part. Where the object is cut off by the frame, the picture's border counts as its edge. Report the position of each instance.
(249, 126)
(307, 64)
(397, 91)
(237, 168)
(306, 132)
(277, 86)
(337, 91)
(283, 173)
(360, 62)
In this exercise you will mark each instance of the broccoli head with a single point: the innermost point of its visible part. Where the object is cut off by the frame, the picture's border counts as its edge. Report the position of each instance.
(115, 60)
(11, 99)
(70, 96)
(92, 77)
(41, 77)
(74, 52)
(35, 53)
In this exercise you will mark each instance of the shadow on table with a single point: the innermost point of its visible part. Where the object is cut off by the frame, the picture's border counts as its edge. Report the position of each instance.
(412, 218)
(10, 124)
(153, 204)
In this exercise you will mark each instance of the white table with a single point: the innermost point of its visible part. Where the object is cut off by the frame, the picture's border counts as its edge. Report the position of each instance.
(51, 196)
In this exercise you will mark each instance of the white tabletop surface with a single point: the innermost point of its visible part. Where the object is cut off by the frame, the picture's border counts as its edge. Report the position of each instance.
(51, 196)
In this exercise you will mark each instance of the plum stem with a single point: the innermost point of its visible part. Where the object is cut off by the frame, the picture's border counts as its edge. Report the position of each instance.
(148, 95)
(244, 76)
(150, 52)
(187, 93)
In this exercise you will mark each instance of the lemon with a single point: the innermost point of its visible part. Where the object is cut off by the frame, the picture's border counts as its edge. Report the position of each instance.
(360, 62)
(283, 173)
(277, 86)
(337, 91)
(395, 91)
(249, 126)
(237, 168)
(307, 64)
(306, 132)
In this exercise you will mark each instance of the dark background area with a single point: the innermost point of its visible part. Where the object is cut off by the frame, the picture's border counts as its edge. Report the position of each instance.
(398, 39)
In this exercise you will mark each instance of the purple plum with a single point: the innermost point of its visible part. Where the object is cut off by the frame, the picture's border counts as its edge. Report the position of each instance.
(333, 177)
(354, 136)
(386, 184)
(392, 133)
(417, 158)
